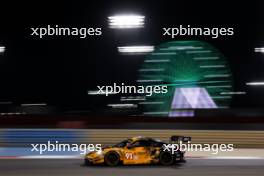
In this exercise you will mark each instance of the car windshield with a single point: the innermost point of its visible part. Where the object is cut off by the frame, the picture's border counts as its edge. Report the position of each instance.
(122, 144)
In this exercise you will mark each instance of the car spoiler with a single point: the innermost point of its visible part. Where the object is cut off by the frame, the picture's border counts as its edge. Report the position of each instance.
(180, 138)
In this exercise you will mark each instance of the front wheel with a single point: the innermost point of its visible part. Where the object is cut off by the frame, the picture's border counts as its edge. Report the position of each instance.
(112, 159)
(87, 162)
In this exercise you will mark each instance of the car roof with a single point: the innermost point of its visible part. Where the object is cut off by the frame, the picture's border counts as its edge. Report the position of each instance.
(133, 139)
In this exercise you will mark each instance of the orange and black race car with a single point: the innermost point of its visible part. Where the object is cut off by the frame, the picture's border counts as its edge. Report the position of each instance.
(137, 150)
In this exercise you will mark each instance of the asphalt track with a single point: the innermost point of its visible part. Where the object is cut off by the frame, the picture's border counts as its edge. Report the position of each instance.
(73, 167)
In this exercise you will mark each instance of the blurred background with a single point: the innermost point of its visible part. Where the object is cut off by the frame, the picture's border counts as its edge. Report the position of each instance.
(48, 88)
(61, 72)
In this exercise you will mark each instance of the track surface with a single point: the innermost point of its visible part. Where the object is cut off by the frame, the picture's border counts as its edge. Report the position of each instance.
(73, 167)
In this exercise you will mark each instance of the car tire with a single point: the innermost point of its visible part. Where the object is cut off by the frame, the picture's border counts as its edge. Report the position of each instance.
(166, 158)
(87, 162)
(112, 159)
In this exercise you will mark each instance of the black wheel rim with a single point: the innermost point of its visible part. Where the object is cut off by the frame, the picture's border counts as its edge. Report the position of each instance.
(166, 158)
(112, 159)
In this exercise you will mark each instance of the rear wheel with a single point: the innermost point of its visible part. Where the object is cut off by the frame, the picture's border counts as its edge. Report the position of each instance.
(112, 159)
(166, 158)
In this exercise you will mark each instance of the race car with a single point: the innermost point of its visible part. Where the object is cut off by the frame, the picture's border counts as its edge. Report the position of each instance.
(135, 151)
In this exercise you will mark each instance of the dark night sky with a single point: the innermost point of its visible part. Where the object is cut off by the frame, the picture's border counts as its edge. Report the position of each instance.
(60, 70)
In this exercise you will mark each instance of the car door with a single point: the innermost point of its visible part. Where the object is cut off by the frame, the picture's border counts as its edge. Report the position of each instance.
(138, 153)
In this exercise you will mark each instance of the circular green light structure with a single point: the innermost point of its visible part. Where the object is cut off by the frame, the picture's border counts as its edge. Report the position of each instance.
(186, 65)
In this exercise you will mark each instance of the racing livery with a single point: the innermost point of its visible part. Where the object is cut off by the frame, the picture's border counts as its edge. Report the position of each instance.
(137, 150)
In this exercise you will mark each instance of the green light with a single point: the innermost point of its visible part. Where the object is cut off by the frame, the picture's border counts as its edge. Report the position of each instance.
(186, 64)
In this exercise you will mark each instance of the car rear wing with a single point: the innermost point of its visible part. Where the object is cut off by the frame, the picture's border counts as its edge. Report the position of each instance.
(180, 138)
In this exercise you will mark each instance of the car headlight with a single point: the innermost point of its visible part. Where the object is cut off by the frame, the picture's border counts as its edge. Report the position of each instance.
(99, 152)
